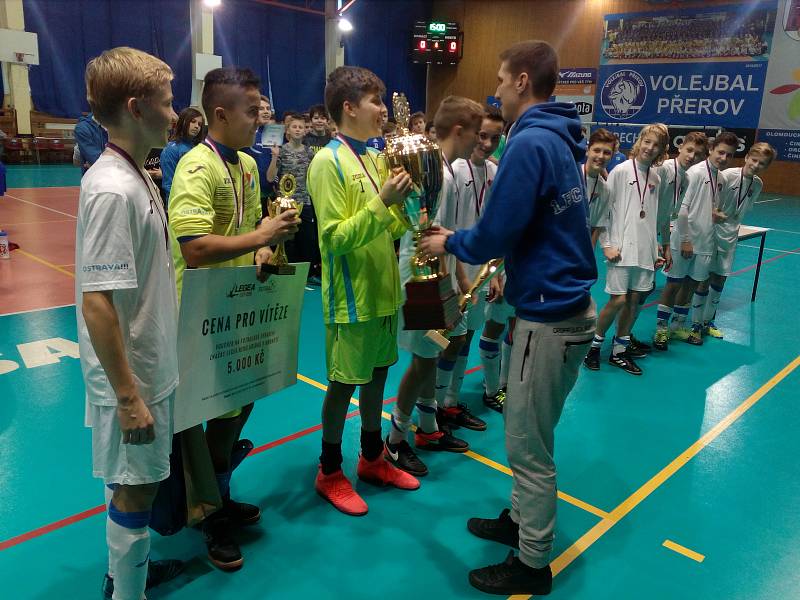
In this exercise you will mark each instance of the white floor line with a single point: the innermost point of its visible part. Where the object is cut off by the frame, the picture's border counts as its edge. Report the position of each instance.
(23, 312)
(40, 206)
(770, 200)
(786, 231)
(41, 222)
(770, 249)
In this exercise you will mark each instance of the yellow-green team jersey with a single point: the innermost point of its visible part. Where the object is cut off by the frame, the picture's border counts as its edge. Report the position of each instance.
(202, 201)
(360, 278)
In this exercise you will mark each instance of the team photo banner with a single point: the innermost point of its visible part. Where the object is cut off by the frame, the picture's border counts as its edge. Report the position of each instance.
(686, 67)
(237, 340)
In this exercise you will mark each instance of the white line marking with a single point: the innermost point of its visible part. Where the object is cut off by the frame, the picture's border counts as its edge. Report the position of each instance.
(23, 312)
(770, 249)
(787, 231)
(41, 206)
(41, 222)
(771, 200)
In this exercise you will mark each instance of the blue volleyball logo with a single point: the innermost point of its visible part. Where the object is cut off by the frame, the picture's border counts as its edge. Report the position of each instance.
(623, 95)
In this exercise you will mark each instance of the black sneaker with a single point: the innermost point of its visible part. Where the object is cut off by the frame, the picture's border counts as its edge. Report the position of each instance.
(439, 441)
(502, 529)
(639, 345)
(403, 457)
(512, 577)
(241, 514)
(158, 572)
(625, 361)
(223, 550)
(592, 359)
(460, 416)
(634, 352)
(495, 402)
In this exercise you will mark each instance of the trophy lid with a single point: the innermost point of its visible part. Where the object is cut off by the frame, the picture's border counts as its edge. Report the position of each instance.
(402, 111)
(287, 185)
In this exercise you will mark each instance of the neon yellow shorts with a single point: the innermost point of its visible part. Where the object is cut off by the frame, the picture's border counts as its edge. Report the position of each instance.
(353, 350)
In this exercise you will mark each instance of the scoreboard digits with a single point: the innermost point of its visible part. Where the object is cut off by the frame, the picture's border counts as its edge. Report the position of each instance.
(436, 42)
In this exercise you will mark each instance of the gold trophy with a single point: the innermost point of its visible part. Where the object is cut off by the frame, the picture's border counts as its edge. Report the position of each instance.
(279, 263)
(431, 302)
(487, 272)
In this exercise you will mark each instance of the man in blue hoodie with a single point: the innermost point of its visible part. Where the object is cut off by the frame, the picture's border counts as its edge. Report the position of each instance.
(540, 223)
(91, 138)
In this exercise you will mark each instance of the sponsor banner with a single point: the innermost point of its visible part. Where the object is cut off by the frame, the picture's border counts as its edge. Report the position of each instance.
(690, 66)
(780, 108)
(786, 142)
(715, 94)
(493, 101)
(237, 339)
(627, 135)
(577, 76)
(584, 104)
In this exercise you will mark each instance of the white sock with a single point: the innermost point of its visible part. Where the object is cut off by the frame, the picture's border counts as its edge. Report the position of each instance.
(505, 359)
(490, 360)
(128, 541)
(712, 303)
(398, 431)
(444, 376)
(426, 413)
(451, 398)
(679, 316)
(698, 307)
(109, 494)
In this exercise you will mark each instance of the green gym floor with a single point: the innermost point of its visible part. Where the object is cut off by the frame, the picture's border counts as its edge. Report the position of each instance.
(678, 484)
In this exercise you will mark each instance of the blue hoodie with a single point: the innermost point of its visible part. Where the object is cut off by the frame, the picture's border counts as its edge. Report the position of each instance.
(538, 218)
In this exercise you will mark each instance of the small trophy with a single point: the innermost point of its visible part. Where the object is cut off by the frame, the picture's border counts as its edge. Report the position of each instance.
(279, 263)
(431, 302)
(487, 272)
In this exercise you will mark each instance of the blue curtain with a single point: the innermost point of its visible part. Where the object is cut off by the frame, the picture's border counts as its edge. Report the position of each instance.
(381, 42)
(287, 44)
(71, 33)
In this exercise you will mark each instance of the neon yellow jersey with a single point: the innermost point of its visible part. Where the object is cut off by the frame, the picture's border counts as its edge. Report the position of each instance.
(360, 279)
(202, 201)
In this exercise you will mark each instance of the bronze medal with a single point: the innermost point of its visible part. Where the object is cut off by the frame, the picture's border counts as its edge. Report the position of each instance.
(641, 214)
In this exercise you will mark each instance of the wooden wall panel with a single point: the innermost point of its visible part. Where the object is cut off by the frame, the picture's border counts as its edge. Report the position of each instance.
(573, 27)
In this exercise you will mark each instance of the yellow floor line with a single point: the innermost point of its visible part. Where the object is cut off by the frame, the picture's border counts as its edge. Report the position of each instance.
(481, 459)
(616, 515)
(45, 262)
(684, 550)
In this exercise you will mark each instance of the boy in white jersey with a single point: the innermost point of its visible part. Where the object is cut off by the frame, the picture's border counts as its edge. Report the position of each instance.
(692, 240)
(601, 148)
(632, 251)
(474, 178)
(742, 190)
(671, 194)
(457, 123)
(127, 311)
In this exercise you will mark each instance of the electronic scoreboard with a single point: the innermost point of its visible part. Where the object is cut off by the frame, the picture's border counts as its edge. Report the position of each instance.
(436, 42)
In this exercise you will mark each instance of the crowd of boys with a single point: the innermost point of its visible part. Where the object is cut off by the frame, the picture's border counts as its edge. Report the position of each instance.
(681, 214)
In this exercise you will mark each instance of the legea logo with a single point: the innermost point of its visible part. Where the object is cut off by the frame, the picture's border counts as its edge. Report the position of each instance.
(623, 94)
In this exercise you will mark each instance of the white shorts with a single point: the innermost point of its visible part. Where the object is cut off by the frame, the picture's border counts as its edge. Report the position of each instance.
(129, 464)
(722, 262)
(696, 267)
(499, 312)
(621, 279)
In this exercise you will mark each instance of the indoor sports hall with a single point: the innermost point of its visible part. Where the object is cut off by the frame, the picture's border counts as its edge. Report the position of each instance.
(677, 484)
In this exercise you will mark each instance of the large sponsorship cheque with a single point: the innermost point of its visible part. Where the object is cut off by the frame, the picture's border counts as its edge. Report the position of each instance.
(704, 68)
(237, 340)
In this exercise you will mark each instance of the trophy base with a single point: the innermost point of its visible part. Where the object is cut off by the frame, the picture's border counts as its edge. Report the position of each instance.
(431, 304)
(279, 269)
(437, 338)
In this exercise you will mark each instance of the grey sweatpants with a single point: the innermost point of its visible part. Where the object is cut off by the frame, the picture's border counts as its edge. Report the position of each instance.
(545, 359)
